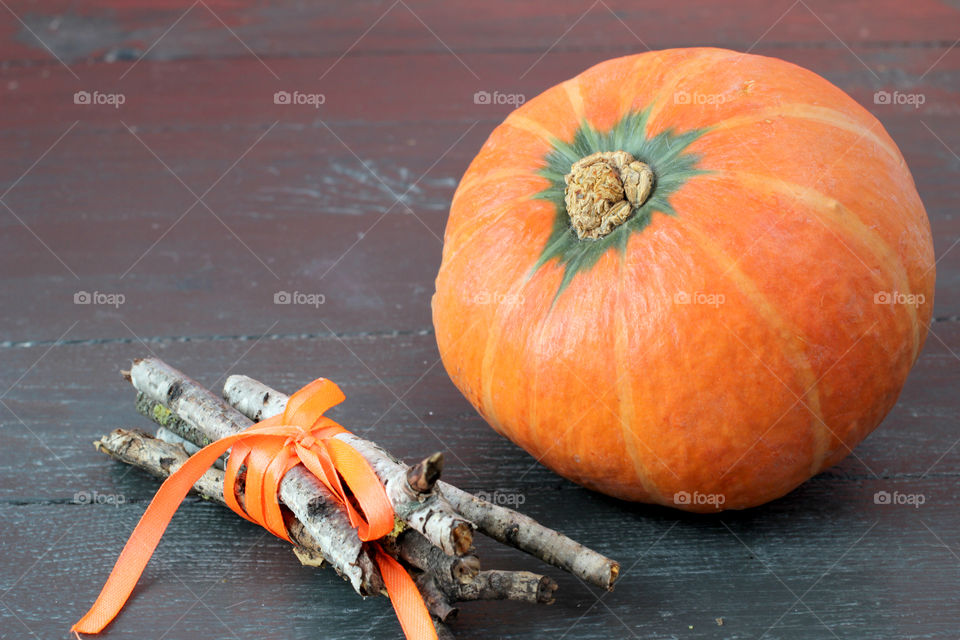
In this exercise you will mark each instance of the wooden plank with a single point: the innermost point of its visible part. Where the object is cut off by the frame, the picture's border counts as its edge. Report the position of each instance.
(74, 393)
(115, 30)
(399, 100)
(375, 271)
(286, 227)
(223, 95)
(285, 200)
(288, 209)
(863, 569)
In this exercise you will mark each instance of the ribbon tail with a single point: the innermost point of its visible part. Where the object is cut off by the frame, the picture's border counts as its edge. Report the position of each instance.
(145, 537)
(406, 599)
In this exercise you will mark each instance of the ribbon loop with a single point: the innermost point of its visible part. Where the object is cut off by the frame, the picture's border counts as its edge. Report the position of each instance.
(268, 450)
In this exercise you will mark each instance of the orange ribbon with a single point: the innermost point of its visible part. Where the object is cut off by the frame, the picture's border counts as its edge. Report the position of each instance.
(269, 449)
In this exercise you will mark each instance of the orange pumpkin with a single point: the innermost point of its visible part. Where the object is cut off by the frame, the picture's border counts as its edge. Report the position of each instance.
(706, 319)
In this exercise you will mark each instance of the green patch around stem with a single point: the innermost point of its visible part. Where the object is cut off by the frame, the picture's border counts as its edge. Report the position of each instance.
(664, 153)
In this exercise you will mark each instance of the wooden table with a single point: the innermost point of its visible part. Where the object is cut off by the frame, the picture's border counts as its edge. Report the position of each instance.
(199, 198)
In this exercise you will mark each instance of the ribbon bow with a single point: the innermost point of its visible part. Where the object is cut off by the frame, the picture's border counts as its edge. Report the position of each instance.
(269, 449)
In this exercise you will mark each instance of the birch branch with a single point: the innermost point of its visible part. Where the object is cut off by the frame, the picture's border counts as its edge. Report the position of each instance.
(410, 490)
(259, 401)
(438, 577)
(437, 602)
(522, 586)
(210, 418)
(524, 533)
(410, 545)
(435, 546)
(418, 552)
(160, 459)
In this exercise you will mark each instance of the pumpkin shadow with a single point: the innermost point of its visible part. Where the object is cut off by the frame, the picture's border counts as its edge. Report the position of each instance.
(775, 536)
(832, 495)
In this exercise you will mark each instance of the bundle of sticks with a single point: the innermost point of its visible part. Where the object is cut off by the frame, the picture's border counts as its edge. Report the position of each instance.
(436, 521)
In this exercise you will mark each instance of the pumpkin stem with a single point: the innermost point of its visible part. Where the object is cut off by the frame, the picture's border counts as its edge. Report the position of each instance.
(602, 191)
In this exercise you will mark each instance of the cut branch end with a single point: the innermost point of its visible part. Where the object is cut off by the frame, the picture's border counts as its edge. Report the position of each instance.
(424, 475)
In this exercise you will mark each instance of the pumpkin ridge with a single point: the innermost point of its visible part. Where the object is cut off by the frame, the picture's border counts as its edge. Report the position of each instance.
(813, 113)
(544, 324)
(626, 413)
(535, 386)
(628, 91)
(575, 96)
(816, 202)
(779, 327)
(682, 72)
(507, 208)
(490, 351)
(495, 175)
(530, 126)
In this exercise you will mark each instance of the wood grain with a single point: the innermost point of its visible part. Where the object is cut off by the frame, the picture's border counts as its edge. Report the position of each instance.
(303, 210)
(92, 399)
(116, 31)
(400, 102)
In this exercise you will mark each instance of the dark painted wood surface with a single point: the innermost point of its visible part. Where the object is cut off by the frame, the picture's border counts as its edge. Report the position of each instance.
(93, 195)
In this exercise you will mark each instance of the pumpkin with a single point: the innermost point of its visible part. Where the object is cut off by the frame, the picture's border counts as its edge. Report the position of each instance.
(690, 277)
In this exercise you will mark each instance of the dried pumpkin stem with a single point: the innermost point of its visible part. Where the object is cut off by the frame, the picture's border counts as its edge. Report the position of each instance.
(602, 191)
